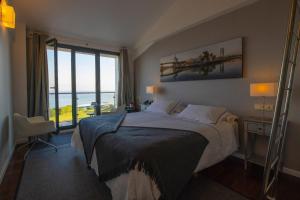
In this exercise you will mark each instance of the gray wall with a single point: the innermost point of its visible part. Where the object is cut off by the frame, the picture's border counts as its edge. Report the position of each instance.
(19, 74)
(6, 132)
(263, 26)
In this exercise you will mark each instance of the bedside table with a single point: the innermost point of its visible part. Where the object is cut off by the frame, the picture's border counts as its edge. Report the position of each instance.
(144, 106)
(130, 109)
(253, 128)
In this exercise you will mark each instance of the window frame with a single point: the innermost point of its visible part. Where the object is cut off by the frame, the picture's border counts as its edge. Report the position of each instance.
(80, 49)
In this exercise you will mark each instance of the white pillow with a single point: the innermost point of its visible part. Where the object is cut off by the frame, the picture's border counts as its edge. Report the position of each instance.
(203, 114)
(161, 106)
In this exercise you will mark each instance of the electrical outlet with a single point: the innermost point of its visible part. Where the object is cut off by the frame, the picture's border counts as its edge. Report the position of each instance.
(269, 107)
(259, 106)
(266, 107)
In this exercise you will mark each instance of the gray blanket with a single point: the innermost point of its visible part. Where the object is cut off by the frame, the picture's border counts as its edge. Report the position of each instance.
(93, 127)
(168, 156)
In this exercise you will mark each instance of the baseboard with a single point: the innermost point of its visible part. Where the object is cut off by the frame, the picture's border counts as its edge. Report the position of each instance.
(5, 166)
(238, 155)
(285, 170)
(291, 172)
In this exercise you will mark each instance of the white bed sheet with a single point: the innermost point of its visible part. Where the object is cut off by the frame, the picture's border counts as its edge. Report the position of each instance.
(136, 185)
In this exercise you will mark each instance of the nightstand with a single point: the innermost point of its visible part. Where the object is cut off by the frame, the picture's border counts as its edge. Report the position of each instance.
(130, 109)
(253, 128)
(144, 106)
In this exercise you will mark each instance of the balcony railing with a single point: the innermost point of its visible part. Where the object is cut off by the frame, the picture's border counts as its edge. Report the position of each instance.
(86, 105)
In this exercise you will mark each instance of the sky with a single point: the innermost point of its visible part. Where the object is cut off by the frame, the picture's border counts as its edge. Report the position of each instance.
(85, 71)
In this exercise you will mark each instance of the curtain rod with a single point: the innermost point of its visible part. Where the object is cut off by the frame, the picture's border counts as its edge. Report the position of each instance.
(30, 33)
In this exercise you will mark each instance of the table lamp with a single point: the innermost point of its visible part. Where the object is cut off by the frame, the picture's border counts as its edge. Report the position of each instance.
(263, 90)
(151, 90)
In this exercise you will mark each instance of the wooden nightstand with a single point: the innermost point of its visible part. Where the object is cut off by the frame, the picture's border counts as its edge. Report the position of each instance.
(253, 128)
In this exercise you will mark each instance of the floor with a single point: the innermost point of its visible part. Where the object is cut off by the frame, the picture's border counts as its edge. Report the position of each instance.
(229, 173)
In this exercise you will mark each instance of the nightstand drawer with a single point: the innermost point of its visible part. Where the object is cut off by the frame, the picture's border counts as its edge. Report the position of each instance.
(255, 127)
(259, 128)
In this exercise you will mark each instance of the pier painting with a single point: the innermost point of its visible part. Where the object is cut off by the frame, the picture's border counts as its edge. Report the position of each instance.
(219, 61)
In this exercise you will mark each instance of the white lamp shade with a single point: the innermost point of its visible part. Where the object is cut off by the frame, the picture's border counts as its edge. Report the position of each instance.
(150, 89)
(263, 89)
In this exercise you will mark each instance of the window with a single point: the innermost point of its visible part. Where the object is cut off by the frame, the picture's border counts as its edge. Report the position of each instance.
(108, 76)
(82, 83)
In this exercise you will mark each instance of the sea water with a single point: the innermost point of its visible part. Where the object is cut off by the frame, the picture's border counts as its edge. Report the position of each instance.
(83, 99)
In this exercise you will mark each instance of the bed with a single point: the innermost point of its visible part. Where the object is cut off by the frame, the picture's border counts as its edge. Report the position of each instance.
(222, 137)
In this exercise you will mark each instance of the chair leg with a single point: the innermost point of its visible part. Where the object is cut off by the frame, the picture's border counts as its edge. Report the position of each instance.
(47, 143)
(24, 145)
(32, 143)
(29, 150)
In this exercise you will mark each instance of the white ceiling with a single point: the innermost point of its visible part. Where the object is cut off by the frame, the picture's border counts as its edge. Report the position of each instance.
(136, 24)
(118, 22)
(185, 14)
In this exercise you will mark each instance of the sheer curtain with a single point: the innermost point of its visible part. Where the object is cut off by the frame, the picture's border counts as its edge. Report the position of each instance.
(37, 75)
(125, 96)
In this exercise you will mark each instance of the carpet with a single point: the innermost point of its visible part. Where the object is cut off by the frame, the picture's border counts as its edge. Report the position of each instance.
(48, 175)
(61, 139)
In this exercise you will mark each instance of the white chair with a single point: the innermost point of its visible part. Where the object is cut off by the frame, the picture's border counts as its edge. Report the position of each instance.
(32, 128)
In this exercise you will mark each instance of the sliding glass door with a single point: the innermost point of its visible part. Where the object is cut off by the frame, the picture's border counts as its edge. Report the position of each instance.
(60, 85)
(108, 76)
(82, 83)
(64, 74)
(85, 85)
(52, 67)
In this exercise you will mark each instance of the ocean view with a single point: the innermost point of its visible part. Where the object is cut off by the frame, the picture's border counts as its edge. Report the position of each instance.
(84, 99)
(85, 81)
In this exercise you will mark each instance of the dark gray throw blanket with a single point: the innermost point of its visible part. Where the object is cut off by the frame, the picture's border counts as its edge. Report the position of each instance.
(168, 156)
(93, 127)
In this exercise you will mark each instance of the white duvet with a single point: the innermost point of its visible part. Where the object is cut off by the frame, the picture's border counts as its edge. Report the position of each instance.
(136, 185)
